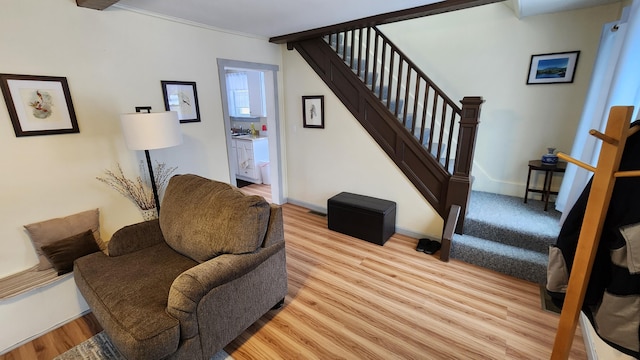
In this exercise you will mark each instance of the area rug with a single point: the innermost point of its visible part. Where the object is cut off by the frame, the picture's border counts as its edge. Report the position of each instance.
(99, 347)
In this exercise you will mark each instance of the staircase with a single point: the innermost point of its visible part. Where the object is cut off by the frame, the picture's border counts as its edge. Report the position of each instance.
(504, 234)
(429, 137)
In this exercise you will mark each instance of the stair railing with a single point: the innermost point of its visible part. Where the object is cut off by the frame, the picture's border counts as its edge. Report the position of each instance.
(445, 130)
(418, 103)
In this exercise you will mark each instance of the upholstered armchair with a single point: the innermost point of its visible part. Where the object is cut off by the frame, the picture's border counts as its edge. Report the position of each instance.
(185, 285)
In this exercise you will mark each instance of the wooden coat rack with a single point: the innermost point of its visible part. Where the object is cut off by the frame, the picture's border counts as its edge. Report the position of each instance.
(613, 143)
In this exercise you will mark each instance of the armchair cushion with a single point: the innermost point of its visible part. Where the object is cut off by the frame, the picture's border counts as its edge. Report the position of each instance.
(202, 218)
(128, 295)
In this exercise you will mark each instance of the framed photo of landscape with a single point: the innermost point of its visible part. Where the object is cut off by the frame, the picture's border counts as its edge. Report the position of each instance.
(38, 105)
(553, 68)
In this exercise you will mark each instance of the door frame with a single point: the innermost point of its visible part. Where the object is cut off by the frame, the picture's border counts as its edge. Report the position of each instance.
(273, 122)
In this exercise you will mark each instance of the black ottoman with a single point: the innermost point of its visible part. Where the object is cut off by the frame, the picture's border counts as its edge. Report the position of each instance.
(363, 217)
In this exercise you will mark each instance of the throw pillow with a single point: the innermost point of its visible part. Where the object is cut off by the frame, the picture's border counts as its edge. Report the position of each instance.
(64, 252)
(48, 231)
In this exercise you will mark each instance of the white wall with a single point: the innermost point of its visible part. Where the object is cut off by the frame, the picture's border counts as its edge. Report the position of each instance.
(486, 51)
(113, 60)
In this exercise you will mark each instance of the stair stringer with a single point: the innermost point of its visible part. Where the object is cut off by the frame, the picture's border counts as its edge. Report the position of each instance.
(427, 175)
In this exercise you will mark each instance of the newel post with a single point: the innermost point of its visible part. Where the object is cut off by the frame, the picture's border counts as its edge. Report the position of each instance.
(459, 187)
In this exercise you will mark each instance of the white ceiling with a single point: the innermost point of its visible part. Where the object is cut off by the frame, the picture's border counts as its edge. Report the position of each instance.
(269, 18)
(524, 8)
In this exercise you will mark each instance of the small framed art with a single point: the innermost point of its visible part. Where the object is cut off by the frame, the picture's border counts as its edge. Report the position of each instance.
(39, 105)
(313, 111)
(181, 97)
(553, 68)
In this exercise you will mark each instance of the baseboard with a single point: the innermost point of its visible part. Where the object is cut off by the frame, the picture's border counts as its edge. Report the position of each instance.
(31, 338)
(309, 206)
(323, 210)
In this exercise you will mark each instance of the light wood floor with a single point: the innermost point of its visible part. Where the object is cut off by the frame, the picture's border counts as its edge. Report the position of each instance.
(350, 299)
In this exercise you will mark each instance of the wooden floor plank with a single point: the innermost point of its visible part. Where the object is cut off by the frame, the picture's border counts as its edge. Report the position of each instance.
(351, 299)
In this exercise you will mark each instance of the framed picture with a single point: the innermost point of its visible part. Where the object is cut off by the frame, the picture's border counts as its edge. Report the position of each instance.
(313, 111)
(39, 105)
(553, 68)
(181, 97)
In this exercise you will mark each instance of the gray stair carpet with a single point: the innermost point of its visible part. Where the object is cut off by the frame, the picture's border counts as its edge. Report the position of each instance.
(504, 234)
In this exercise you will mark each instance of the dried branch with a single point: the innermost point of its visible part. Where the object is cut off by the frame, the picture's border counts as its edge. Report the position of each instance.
(138, 191)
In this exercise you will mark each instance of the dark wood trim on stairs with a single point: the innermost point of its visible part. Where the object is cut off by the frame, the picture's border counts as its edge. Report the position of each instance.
(459, 189)
(395, 16)
(450, 224)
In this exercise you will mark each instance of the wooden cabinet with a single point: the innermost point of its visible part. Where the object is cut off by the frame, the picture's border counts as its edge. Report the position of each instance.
(249, 154)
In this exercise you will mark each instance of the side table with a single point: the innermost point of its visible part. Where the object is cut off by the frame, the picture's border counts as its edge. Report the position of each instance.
(549, 170)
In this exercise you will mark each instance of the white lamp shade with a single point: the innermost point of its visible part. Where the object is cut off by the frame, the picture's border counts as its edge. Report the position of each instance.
(148, 131)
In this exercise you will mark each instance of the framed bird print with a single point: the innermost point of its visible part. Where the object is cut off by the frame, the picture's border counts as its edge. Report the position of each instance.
(181, 97)
(39, 105)
(313, 111)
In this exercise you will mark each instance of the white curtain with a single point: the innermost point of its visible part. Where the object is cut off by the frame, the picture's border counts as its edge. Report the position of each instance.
(237, 92)
(615, 81)
(236, 80)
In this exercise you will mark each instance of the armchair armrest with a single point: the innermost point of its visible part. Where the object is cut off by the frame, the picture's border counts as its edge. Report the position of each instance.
(135, 237)
(192, 285)
(275, 230)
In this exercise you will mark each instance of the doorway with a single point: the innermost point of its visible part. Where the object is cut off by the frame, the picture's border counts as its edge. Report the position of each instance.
(270, 120)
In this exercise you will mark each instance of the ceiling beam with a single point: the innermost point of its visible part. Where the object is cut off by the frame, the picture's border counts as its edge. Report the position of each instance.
(400, 15)
(96, 4)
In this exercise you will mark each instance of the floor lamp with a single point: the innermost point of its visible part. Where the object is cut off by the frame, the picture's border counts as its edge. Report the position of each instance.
(147, 131)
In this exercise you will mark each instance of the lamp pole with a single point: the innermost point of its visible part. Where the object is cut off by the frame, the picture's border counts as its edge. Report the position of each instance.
(154, 187)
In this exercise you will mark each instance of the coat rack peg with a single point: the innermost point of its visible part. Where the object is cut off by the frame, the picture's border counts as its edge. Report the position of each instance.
(633, 130)
(632, 173)
(583, 165)
(603, 137)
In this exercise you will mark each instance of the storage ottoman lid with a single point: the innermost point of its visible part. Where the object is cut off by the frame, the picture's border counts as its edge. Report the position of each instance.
(363, 202)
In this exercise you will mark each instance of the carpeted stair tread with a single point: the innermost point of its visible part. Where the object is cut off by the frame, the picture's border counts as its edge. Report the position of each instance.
(512, 213)
(508, 220)
(514, 261)
(504, 234)
(509, 235)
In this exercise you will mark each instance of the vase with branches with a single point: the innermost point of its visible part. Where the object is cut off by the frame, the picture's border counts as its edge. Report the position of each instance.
(139, 190)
